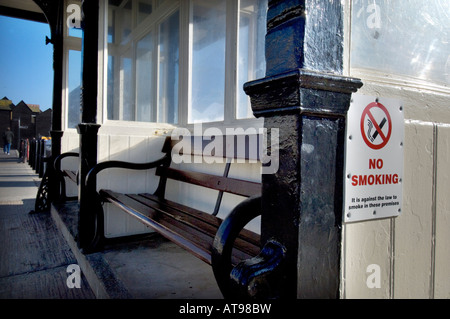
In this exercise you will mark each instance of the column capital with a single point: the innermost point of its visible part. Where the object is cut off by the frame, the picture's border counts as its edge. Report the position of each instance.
(88, 128)
(301, 91)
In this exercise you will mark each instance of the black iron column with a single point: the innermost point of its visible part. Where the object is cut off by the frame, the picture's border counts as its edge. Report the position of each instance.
(54, 13)
(306, 98)
(88, 128)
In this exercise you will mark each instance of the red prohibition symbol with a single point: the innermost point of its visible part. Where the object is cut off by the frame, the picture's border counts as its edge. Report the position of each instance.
(372, 128)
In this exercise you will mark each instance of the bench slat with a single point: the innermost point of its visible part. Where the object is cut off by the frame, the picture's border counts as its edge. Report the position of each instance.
(249, 236)
(248, 242)
(167, 227)
(192, 231)
(220, 183)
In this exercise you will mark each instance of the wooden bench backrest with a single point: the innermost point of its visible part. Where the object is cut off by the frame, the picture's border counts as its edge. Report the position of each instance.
(223, 184)
(246, 147)
(220, 183)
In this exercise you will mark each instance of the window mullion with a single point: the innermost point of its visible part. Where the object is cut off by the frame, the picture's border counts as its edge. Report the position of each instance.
(231, 55)
(155, 70)
(184, 89)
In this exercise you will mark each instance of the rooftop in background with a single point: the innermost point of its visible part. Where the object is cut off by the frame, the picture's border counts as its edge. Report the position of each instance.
(35, 108)
(6, 104)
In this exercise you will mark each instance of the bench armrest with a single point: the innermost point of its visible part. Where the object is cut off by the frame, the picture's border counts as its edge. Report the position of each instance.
(58, 159)
(91, 178)
(59, 174)
(250, 278)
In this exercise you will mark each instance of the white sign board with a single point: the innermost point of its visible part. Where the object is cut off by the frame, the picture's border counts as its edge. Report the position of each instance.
(373, 159)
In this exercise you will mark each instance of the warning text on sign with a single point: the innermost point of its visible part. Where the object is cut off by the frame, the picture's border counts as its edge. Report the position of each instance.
(373, 202)
(375, 179)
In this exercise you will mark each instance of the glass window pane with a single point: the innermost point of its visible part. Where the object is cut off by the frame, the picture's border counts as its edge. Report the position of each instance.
(409, 38)
(74, 89)
(208, 61)
(74, 32)
(126, 87)
(125, 20)
(111, 24)
(144, 71)
(143, 58)
(110, 89)
(145, 8)
(251, 59)
(168, 69)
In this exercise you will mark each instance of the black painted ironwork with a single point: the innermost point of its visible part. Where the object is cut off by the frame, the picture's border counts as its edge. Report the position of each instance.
(306, 98)
(88, 128)
(42, 162)
(257, 278)
(60, 174)
(43, 202)
(243, 281)
(88, 159)
(54, 13)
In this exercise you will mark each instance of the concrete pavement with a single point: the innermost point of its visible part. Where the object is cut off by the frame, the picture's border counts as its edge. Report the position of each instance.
(37, 249)
(34, 256)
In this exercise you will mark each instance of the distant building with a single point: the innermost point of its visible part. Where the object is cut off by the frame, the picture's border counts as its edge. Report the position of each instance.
(5, 114)
(44, 123)
(25, 120)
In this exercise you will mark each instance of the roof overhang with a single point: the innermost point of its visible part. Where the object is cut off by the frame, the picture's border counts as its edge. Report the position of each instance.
(22, 9)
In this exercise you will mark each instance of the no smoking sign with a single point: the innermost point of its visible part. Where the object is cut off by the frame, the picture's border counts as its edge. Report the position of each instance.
(376, 126)
(373, 159)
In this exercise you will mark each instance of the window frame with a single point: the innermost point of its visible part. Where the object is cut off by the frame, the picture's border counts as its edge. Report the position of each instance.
(151, 23)
(70, 43)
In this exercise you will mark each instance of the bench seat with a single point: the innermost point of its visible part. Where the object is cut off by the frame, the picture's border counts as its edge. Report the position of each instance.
(191, 229)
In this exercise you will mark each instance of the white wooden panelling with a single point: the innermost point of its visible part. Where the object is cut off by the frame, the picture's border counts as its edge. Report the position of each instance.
(138, 149)
(412, 249)
(442, 222)
(116, 222)
(366, 243)
(70, 141)
(413, 229)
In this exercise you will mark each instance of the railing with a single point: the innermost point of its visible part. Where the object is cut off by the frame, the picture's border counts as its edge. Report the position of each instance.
(36, 153)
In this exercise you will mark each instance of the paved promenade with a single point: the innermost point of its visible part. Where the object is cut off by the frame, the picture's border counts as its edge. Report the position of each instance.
(37, 249)
(33, 254)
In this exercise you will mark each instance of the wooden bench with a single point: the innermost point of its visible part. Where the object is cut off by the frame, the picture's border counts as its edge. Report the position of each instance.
(203, 234)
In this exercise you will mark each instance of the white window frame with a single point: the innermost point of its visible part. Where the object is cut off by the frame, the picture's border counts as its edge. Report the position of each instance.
(164, 10)
(71, 43)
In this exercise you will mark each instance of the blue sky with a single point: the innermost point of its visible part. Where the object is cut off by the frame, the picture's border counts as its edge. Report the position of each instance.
(26, 63)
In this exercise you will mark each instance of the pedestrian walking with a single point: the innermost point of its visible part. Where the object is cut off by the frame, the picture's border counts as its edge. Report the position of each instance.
(8, 137)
